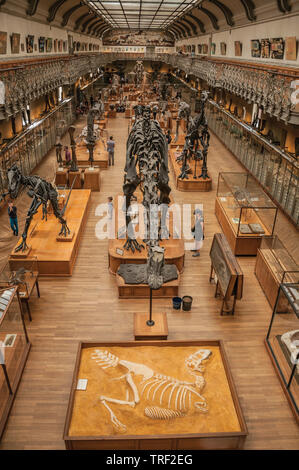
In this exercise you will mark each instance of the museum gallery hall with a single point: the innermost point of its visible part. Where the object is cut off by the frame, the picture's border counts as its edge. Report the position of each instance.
(149, 215)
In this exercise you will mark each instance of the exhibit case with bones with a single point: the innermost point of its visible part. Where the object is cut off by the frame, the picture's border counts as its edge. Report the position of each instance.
(14, 349)
(244, 211)
(282, 341)
(134, 395)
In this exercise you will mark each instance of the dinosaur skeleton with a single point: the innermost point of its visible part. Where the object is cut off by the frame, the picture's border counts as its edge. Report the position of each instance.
(147, 152)
(41, 191)
(165, 397)
(197, 134)
(139, 73)
(183, 113)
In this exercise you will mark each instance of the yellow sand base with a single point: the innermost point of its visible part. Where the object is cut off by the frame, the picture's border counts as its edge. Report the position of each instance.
(91, 418)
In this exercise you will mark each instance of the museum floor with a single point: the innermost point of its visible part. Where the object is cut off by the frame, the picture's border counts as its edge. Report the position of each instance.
(86, 307)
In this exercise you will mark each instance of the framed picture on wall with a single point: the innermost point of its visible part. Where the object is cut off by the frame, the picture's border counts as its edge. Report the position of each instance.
(238, 48)
(291, 48)
(199, 48)
(3, 42)
(49, 44)
(41, 44)
(193, 47)
(265, 48)
(277, 48)
(213, 48)
(255, 48)
(205, 49)
(15, 43)
(29, 43)
(223, 48)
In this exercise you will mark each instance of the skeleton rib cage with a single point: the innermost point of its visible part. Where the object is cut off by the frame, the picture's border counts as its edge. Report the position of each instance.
(163, 397)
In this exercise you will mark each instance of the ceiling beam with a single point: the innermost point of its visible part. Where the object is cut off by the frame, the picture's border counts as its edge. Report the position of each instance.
(210, 15)
(66, 16)
(104, 31)
(54, 9)
(182, 31)
(192, 25)
(177, 31)
(79, 20)
(102, 28)
(229, 16)
(32, 7)
(249, 9)
(92, 25)
(96, 27)
(84, 26)
(198, 22)
(186, 28)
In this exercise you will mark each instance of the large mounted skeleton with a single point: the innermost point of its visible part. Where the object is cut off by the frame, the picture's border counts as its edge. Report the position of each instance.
(183, 113)
(41, 192)
(196, 141)
(163, 397)
(147, 167)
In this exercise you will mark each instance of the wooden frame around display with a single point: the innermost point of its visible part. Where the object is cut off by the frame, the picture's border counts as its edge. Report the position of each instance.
(220, 440)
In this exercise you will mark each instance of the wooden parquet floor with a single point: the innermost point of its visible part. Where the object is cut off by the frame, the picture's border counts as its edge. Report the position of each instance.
(86, 307)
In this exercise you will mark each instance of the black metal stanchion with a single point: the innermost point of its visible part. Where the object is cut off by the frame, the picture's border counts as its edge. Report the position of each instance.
(151, 322)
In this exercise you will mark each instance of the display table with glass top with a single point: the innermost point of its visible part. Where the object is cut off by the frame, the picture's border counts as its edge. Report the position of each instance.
(244, 211)
(14, 349)
(282, 342)
(274, 265)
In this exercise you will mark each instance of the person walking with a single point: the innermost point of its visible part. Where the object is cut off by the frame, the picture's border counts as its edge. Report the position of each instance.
(110, 149)
(13, 218)
(68, 156)
(198, 232)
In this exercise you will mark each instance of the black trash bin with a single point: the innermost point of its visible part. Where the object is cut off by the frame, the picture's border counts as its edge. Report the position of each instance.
(176, 302)
(187, 302)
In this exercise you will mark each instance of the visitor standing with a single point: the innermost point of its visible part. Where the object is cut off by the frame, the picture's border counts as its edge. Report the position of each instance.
(198, 232)
(110, 149)
(13, 218)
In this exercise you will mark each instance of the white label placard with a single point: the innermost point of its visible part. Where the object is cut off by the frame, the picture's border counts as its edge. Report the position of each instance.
(82, 384)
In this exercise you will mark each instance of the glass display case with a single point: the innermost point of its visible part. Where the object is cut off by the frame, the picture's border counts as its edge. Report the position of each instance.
(244, 211)
(14, 349)
(274, 265)
(282, 342)
(276, 169)
(13, 274)
(32, 145)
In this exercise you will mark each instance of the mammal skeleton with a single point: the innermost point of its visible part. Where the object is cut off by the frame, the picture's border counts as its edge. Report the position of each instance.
(164, 397)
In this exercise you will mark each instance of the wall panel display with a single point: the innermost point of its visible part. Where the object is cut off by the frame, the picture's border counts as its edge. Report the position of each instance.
(149, 38)
(213, 48)
(277, 48)
(22, 47)
(223, 48)
(205, 49)
(49, 44)
(15, 43)
(64, 46)
(29, 43)
(41, 44)
(265, 48)
(60, 43)
(55, 45)
(238, 48)
(3, 42)
(255, 48)
(291, 48)
(199, 48)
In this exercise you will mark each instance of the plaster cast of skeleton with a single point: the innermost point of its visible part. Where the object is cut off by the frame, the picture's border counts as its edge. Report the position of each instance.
(42, 192)
(163, 397)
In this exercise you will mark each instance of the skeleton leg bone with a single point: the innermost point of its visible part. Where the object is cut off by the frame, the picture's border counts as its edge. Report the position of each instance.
(121, 427)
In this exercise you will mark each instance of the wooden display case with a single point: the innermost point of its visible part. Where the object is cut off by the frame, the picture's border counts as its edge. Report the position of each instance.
(282, 342)
(274, 265)
(244, 211)
(14, 349)
(88, 425)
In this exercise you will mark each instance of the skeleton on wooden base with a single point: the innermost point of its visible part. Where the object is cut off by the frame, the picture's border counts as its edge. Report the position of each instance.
(162, 396)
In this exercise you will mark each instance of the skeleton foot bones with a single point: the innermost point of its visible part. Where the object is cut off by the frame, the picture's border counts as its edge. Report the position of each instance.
(163, 397)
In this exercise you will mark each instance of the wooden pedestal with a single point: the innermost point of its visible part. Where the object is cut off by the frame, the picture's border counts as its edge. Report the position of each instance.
(102, 123)
(128, 113)
(142, 291)
(112, 114)
(69, 237)
(179, 143)
(92, 179)
(61, 178)
(158, 331)
(190, 184)
(21, 254)
(78, 183)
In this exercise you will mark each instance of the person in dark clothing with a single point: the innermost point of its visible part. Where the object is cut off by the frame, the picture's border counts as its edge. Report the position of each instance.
(198, 232)
(168, 137)
(13, 218)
